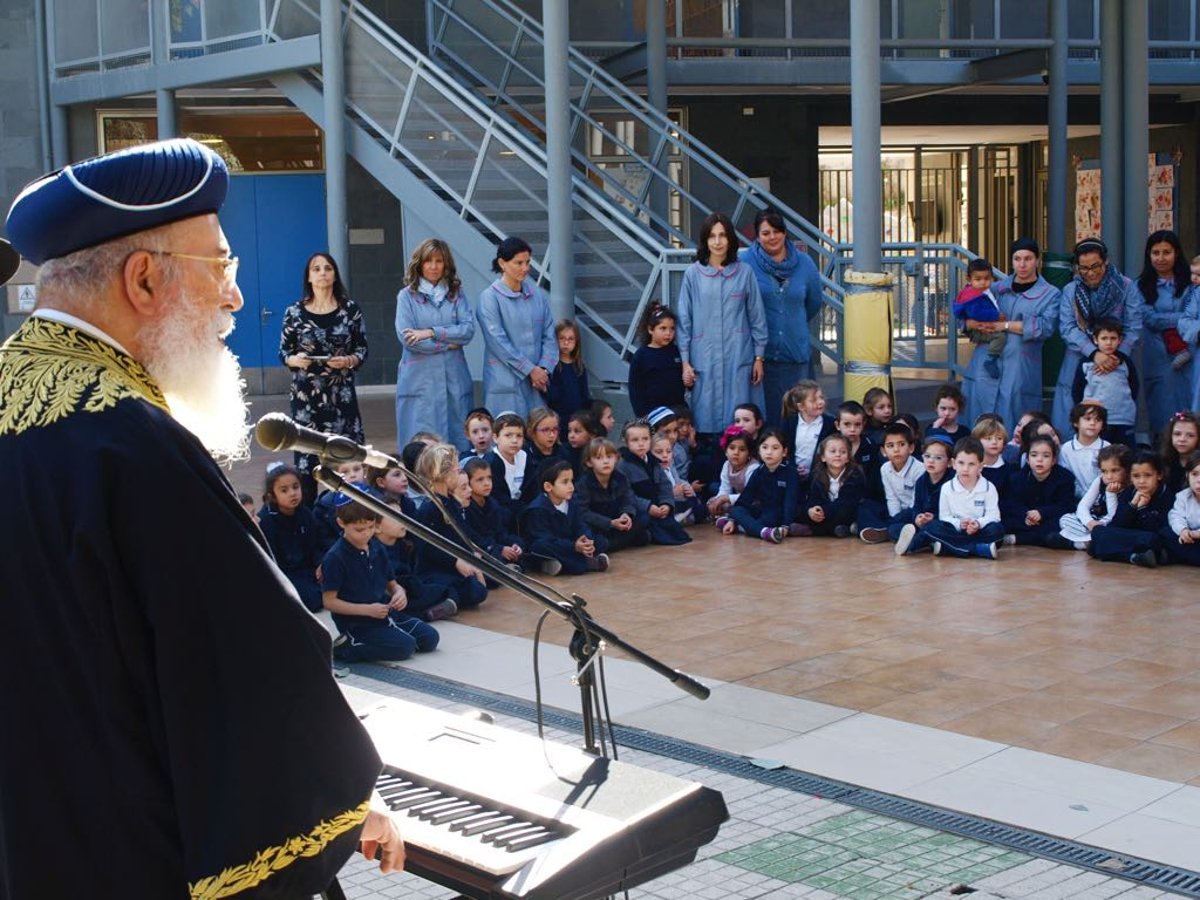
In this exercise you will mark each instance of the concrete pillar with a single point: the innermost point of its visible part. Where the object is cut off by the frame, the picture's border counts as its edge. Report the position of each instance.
(1135, 132)
(334, 77)
(556, 19)
(1112, 155)
(60, 133)
(160, 55)
(656, 93)
(164, 105)
(1056, 187)
(865, 134)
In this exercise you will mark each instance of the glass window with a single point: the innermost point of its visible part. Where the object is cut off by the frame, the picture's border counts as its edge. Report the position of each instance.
(76, 30)
(828, 19)
(1023, 20)
(223, 18)
(247, 141)
(125, 26)
(1170, 20)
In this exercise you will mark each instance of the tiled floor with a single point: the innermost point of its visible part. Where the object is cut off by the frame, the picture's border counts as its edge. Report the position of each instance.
(1096, 662)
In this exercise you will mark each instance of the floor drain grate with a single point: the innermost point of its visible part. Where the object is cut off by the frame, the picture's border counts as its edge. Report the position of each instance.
(1147, 872)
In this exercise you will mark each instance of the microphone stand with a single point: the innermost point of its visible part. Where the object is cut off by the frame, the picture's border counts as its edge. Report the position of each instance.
(590, 636)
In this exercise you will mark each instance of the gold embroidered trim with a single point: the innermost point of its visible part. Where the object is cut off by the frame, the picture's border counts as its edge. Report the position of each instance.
(236, 879)
(49, 370)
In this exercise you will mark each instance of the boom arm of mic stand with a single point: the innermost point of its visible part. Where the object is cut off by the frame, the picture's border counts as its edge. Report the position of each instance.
(571, 611)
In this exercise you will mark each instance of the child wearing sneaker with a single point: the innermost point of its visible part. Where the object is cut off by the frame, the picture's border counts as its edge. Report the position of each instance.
(739, 466)
(429, 602)
(489, 524)
(438, 467)
(1099, 501)
(1037, 496)
(606, 499)
(968, 522)
(1142, 509)
(879, 520)
(360, 590)
(554, 526)
(834, 491)
(928, 492)
(650, 485)
(768, 505)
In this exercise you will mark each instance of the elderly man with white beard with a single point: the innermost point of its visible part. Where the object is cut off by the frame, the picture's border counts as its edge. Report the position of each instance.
(171, 728)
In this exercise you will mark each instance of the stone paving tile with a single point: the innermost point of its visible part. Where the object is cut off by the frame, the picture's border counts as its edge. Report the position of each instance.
(787, 846)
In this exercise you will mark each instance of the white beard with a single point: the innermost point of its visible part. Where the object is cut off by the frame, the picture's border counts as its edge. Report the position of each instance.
(201, 378)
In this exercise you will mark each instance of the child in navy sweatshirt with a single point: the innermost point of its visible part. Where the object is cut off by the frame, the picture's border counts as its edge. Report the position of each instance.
(1037, 496)
(768, 505)
(555, 528)
(834, 491)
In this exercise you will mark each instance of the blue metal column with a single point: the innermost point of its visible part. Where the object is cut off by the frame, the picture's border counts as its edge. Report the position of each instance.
(556, 20)
(1135, 134)
(1056, 187)
(42, 61)
(1112, 155)
(334, 96)
(865, 134)
(160, 55)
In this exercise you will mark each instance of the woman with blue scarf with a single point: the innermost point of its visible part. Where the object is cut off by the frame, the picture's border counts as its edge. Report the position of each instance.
(790, 286)
(434, 322)
(1097, 292)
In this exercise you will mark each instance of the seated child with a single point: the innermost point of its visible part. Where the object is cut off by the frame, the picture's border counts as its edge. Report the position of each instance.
(834, 491)
(651, 488)
(602, 412)
(509, 462)
(249, 505)
(1012, 450)
(606, 500)
(739, 466)
(950, 403)
(768, 505)
(991, 434)
(976, 302)
(688, 507)
(489, 524)
(478, 429)
(581, 428)
(1179, 442)
(438, 467)
(1037, 496)
(1182, 535)
(899, 476)
(805, 425)
(1099, 501)
(849, 422)
(1133, 535)
(427, 601)
(684, 451)
(367, 602)
(968, 522)
(1116, 390)
(324, 509)
(408, 457)
(878, 405)
(928, 492)
(1079, 455)
(390, 484)
(292, 532)
(542, 446)
(554, 525)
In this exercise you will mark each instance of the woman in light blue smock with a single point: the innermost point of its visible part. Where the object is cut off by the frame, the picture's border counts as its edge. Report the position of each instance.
(434, 322)
(721, 329)
(1029, 304)
(790, 286)
(1189, 330)
(1098, 291)
(518, 332)
(1163, 285)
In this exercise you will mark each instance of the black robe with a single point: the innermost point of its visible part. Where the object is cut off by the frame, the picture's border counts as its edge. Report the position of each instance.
(170, 724)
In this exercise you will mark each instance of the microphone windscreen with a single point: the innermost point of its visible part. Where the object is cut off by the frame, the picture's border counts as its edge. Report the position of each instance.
(275, 432)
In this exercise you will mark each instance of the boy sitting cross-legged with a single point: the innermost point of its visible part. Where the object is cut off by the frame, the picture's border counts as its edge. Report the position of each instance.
(554, 526)
(359, 588)
(968, 522)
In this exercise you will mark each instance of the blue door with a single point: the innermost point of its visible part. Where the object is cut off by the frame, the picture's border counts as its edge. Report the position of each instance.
(273, 223)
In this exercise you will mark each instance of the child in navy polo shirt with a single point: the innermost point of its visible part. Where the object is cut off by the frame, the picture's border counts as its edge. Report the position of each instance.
(767, 506)
(489, 524)
(360, 590)
(554, 525)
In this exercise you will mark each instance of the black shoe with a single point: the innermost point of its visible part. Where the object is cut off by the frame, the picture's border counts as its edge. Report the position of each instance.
(1146, 559)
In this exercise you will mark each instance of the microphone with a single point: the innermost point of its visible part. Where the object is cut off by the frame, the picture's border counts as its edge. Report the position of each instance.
(276, 432)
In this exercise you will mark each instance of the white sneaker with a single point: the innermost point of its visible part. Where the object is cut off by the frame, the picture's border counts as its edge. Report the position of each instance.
(904, 541)
(1009, 540)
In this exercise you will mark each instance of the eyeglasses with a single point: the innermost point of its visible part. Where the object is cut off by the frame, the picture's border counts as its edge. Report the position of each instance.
(1094, 267)
(228, 264)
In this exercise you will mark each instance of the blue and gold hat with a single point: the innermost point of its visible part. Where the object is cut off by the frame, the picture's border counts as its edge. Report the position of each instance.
(114, 195)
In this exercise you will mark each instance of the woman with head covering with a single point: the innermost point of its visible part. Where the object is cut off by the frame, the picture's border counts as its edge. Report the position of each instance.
(1098, 291)
(790, 286)
(434, 322)
(518, 332)
(1029, 306)
(722, 329)
(1167, 363)
(322, 341)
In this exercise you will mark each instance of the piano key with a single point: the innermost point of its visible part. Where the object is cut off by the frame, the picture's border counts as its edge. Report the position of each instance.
(531, 840)
(417, 795)
(507, 839)
(425, 810)
(493, 821)
(431, 813)
(463, 824)
(452, 815)
(495, 834)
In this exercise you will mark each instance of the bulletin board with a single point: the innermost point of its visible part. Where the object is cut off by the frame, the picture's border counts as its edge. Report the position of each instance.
(1162, 211)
